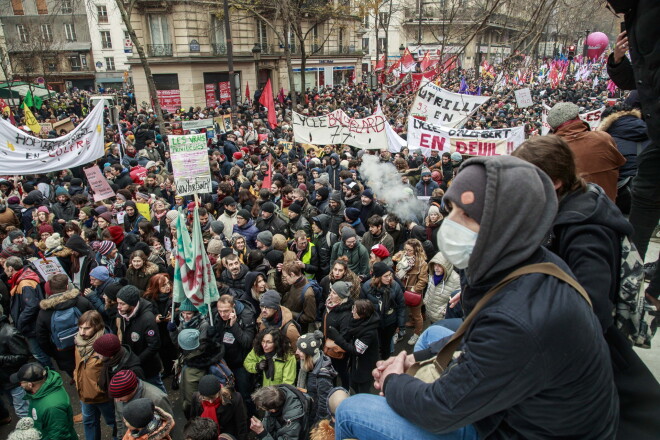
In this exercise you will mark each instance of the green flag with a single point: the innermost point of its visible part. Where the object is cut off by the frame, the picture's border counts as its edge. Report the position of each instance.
(32, 101)
(193, 272)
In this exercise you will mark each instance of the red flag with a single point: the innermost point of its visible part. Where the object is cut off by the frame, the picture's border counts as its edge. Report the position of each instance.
(407, 60)
(280, 96)
(247, 91)
(380, 65)
(426, 61)
(395, 66)
(266, 99)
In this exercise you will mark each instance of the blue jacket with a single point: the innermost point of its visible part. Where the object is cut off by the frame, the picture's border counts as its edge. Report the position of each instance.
(426, 188)
(249, 231)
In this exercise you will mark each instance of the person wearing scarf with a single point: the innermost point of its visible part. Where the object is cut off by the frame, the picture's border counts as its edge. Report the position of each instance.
(222, 405)
(94, 400)
(132, 217)
(272, 358)
(114, 357)
(433, 221)
(412, 270)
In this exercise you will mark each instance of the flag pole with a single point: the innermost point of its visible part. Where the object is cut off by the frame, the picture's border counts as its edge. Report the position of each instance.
(197, 203)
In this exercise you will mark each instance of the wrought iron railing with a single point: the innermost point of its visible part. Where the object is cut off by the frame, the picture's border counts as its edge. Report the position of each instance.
(159, 50)
(219, 48)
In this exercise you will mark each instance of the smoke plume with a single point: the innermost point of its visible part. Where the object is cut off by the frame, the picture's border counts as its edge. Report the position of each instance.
(385, 182)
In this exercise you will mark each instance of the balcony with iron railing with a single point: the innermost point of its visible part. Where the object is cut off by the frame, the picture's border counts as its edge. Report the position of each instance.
(266, 49)
(160, 50)
(342, 50)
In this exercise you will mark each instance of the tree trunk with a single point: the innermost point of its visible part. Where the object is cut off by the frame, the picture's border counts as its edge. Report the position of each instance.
(151, 84)
(303, 59)
(289, 66)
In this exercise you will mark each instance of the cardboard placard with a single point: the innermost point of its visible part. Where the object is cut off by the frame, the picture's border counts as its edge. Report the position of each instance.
(98, 184)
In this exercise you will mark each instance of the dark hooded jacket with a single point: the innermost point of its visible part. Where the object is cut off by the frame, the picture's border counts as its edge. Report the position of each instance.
(14, 351)
(630, 133)
(140, 333)
(373, 208)
(361, 343)
(336, 217)
(246, 294)
(333, 172)
(534, 354)
(274, 224)
(237, 339)
(236, 286)
(323, 243)
(77, 244)
(60, 301)
(358, 257)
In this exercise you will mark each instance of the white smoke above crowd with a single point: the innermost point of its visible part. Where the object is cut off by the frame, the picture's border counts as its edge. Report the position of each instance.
(385, 182)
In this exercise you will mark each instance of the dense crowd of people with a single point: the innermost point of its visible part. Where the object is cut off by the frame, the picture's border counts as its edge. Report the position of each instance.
(319, 277)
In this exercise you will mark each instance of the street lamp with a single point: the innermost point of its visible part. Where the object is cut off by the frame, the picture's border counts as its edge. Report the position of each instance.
(586, 46)
(256, 54)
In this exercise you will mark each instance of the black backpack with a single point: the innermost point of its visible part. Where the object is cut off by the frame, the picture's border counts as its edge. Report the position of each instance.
(318, 296)
(308, 409)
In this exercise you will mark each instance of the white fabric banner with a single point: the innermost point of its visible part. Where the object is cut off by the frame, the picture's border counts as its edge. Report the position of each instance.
(495, 142)
(21, 153)
(395, 143)
(592, 118)
(441, 107)
(338, 128)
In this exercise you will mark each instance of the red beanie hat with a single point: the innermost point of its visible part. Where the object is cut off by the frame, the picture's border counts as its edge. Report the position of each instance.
(122, 384)
(238, 155)
(107, 345)
(117, 234)
(46, 228)
(380, 251)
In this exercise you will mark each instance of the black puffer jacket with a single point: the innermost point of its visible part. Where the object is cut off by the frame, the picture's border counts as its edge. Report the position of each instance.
(338, 318)
(236, 285)
(630, 134)
(237, 339)
(388, 303)
(323, 243)
(14, 351)
(361, 344)
(140, 333)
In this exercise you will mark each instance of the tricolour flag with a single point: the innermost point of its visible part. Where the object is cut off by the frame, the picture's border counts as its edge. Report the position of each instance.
(193, 272)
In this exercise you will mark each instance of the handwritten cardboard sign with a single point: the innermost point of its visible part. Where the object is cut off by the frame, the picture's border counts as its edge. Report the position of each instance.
(98, 184)
(190, 164)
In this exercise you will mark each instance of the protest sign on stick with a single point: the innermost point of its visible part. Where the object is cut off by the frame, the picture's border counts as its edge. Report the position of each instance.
(190, 164)
(98, 184)
(523, 98)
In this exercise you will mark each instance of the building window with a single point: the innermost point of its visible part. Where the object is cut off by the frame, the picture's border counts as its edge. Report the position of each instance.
(106, 41)
(365, 21)
(110, 63)
(159, 30)
(22, 33)
(42, 8)
(75, 64)
(102, 13)
(127, 35)
(46, 33)
(67, 7)
(83, 60)
(384, 19)
(365, 45)
(382, 46)
(340, 40)
(50, 64)
(70, 32)
(262, 36)
(17, 6)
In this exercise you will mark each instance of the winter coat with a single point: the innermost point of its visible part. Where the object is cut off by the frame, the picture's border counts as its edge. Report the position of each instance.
(300, 224)
(236, 286)
(7, 216)
(51, 409)
(285, 324)
(338, 318)
(24, 302)
(388, 303)
(358, 257)
(288, 425)
(415, 278)
(640, 71)
(232, 417)
(372, 208)
(596, 158)
(310, 257)
(237, 339)
(360, 342)
(86, 375)
(66, 211)
(285, 369)
(318, 384)
(274, 224)
(369, 240)
(323, 243)
(59, 301)
(302, 306)
(140, 278)
(228, 223)
(630, 133)
(161, 432)
(333, 172)
(249, 231)
(336, 217)
(426, 188)
(140, 333)
(437, 296)
(14, 352)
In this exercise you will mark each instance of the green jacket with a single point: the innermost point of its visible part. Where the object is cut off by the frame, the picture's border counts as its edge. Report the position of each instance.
(51, 410)
(285, 369)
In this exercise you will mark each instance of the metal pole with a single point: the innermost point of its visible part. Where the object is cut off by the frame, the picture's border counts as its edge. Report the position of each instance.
(230, 60)
(586, 46)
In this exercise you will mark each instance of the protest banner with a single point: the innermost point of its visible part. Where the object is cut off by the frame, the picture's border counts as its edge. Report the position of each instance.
(48, 266)
(494, 142)
(26, 154)
(224, 123)
(225, 91)
(45, 128)
(592, 118)
(441, 107)
(198, 124)
(143, 209)
(339, 128)
(170, 100)
(98, 184)
(190, 164)
(395, 143)
(209, 91)
(523, 98)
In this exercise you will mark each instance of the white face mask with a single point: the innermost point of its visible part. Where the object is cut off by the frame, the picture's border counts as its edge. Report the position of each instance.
(456, 242)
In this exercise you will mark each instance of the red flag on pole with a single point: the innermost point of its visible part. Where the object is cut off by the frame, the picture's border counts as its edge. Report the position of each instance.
(268, 179)
(426, 61)
(280, 96)
(407, 60)
(380, 65)
(266, 99)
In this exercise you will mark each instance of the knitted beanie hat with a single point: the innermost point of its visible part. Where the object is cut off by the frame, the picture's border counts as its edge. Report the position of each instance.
(25, 430)
(53, 241)
(187, 306)
(562, 112)
(100, 273)
(107, 345)
(112, 290)
(209, 385)
(380, 251)
(270, 299)
(122, 384)
(214, 246)
(265, 237)
(310, 343)
(295, 207)
(105, 247)
(46, 228)
(139, 412)
(268, 207)
(129, 294)
(188, 339)
(341, 288)
(172, 215)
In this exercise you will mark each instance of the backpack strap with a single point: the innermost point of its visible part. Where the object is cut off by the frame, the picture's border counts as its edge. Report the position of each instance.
(447, 352)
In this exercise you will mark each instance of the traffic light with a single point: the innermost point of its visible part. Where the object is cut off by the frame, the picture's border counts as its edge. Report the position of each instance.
(571, 52)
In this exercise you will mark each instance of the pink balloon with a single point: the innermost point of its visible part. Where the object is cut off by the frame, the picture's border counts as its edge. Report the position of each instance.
(597, 43)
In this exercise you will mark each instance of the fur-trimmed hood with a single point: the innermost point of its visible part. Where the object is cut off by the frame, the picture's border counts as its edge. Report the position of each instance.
(149, 269)
(607, 123)
(62, 300)
(61, 252)
(162, 432)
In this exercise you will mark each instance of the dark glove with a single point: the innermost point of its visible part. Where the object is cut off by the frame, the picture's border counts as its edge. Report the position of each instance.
(171, 327)
(262, 365)
(333, 333)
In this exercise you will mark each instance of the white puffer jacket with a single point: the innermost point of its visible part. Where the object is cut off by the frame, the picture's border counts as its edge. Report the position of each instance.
(437, 296)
